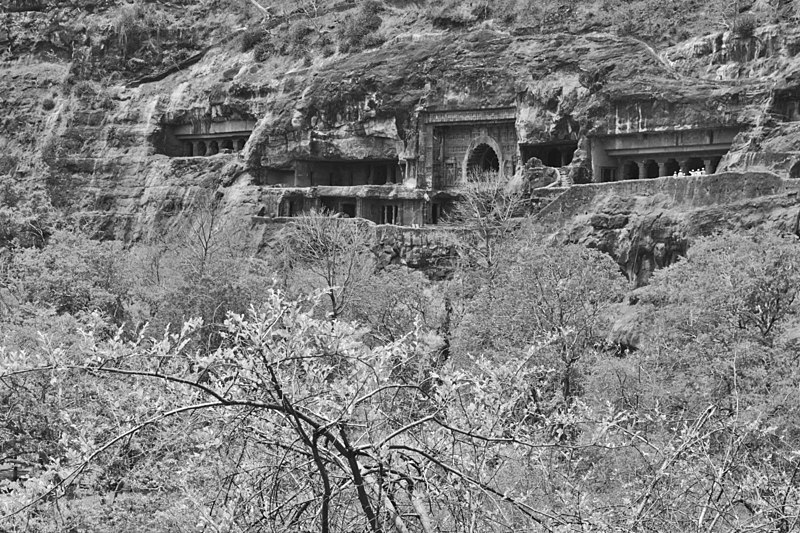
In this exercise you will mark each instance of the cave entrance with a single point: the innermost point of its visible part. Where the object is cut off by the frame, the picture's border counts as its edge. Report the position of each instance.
(651, 169)
(695, 164)
(553, 158)
(483, 159)
(630, 170)
(671, 167)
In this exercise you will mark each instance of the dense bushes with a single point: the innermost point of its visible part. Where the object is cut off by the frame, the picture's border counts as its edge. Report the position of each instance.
(252, 37)
(136, 26)
(296, 39)
(358, 31)
(527, 401)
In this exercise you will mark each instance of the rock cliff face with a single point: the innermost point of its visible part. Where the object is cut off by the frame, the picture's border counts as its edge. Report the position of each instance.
(649, 224)
(94, 145)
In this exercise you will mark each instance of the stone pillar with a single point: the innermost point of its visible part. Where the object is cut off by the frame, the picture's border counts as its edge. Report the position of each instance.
(564, 157)
(389, 174)
(360, 207)
(425, 157)
(642, 169)
(709, 166)
(685, 167)
(240, 144)
(662, 168)
(198, 149)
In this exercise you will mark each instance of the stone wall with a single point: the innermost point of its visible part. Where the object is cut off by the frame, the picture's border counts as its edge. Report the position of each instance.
(431, 250)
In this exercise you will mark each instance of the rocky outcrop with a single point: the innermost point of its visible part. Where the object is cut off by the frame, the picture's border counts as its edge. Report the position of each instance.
(93, 147)
(649, 224)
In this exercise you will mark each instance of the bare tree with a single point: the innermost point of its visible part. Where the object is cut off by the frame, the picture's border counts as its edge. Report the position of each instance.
(335, 252)
(490, 209)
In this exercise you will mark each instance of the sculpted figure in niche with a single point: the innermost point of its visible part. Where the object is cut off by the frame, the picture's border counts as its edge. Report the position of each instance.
(538, 175)
(533, 176)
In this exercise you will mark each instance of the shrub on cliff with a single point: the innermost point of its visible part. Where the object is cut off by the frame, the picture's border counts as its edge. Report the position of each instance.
(135, 27)
(358, 31)
(264, 50)
(251, 38)
(745, 26)
(451, 14)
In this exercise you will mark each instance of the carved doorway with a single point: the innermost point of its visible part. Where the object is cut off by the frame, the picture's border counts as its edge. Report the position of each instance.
(483, 158)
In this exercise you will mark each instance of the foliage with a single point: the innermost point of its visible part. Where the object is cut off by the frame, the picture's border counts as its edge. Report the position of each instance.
(203, 271)
(135, 26)
(264, 50)
(541, 292)
(300, 33)
(745, 26)
(358, 31)
(396, 301)
(26, 217)
(252, 37)
(72, 274)
(739, 287)
(711, 385)
(284, 418)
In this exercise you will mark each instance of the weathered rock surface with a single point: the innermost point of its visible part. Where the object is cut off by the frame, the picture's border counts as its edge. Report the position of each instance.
(92, 147)
(649, 224)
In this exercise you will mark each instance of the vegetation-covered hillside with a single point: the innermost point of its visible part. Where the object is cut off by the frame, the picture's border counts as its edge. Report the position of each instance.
(313, 392)
(167, 365)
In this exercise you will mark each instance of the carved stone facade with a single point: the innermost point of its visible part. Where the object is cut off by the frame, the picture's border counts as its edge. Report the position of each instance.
(457, 142)
(656, 154)
(451, 144)
(205, 138)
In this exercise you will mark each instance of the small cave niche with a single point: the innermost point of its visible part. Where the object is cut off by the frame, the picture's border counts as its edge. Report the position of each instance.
(202, 138)
(794, 171)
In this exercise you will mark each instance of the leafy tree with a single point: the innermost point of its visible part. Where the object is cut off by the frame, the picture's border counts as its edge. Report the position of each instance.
(203, 271)
(329, 434)
(396, 301)
(293, 422)
(72, 274)
(711, 388)
(558, 294)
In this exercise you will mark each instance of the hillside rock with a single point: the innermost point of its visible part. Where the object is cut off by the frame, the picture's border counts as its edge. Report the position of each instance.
(649, 224)
(92, 146)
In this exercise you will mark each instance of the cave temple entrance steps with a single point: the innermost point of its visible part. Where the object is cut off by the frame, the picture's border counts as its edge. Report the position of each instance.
(686, 192)
(542, 197)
